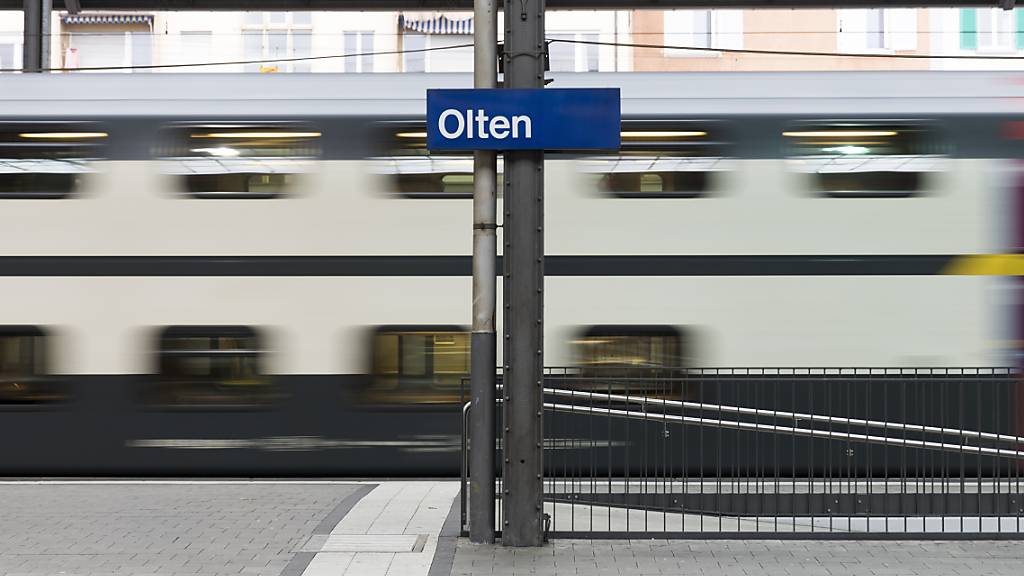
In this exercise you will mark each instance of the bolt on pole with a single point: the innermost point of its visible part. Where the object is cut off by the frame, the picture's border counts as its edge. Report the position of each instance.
(523, 231)
(483, 361)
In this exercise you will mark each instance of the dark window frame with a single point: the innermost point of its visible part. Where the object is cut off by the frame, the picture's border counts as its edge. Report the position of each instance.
(374, 376)
(51, 192)
(655, 381)
(165, 389)
(721, 138)
(928, 140)
(54, 391)
(167, 141)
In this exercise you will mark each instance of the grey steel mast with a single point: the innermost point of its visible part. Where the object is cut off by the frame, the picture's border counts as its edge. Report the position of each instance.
(483, 355)
(523, 231)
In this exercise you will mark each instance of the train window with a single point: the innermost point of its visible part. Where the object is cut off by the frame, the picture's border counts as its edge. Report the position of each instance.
(211, 366)
(661, 159)
(47, 159)
(866, 160)
(24, 376)
(248, 160)
(418, 365)
(644, 360)
(416, 173)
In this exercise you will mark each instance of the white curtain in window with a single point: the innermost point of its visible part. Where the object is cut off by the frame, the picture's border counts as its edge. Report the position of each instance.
(99, 49)
(728, 32)
(7, 57)
(453, 60)
(901, 28)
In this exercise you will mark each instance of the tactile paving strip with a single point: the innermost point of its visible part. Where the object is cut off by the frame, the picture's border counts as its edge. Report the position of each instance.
(374, 543)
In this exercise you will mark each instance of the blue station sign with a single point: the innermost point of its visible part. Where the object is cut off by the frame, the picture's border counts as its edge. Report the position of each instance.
(540, 119)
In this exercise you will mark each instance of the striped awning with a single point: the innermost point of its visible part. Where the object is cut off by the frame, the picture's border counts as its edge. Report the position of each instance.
(437, 25)
(107, 18)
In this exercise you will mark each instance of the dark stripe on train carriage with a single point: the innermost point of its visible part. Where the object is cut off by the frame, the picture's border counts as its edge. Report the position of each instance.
(639, 265)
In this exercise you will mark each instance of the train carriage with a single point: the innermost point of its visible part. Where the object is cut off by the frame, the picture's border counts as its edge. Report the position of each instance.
(233, 274)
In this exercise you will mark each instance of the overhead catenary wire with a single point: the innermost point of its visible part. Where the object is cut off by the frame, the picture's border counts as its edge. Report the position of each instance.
(241, 62)
(796, 53)
(787, 52)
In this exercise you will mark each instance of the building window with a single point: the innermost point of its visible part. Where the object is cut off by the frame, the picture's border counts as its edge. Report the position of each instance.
(115, 40)
(422, 365)
(47, 159)
(663, 160)
(9, 56)
(991, 29)
(573, 57)
(413, 172)
(196, 46)
(358, 48)
(210, 366)
(271, 36)
(414, 61)
(875, 28)
(238, 160)
(702, 29)
(24, 377)
(866, 160)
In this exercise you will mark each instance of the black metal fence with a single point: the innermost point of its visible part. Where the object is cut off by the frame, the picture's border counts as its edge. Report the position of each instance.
(776, 452)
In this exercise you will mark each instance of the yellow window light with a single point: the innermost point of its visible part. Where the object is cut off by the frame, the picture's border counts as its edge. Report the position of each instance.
(411, 134)
(663, 134)
(62, 135)
(258, 135)
(840, 133)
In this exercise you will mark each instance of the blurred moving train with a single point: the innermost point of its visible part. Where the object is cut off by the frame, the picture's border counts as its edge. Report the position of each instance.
(232, 274)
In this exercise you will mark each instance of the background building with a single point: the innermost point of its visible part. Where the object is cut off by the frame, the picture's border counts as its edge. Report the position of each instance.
(379, 38)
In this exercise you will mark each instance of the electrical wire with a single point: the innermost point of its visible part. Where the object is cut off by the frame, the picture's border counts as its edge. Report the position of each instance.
(790, 52)
(550, 41)
(239, 62)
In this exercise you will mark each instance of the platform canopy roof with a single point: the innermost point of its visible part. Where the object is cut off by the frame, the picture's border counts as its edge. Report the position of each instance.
(390, 5)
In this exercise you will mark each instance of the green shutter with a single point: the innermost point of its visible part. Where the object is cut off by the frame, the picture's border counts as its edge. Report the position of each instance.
(968, 28)
(1020, 28)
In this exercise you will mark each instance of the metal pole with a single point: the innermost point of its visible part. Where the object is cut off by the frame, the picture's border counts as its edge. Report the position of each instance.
(35, 53)
(31, 53)
(524, 298)
(483, 355)
(44, 38)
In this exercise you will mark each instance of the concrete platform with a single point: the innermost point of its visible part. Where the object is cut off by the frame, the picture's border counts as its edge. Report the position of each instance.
(214, 528)
(398, 528)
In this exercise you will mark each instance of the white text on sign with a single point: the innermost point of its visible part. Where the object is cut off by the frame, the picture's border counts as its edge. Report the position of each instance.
(498, 127)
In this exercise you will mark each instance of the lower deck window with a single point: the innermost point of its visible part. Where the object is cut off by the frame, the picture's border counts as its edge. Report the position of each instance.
(419, 365)
(211, 366)
(24, 377)
(641, 360)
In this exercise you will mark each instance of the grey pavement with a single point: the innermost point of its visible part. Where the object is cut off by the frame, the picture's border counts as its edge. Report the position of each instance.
(744, 557)
(162, 529)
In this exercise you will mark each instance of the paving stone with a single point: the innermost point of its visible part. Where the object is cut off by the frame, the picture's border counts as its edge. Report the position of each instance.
(738, 558)
(161, 529)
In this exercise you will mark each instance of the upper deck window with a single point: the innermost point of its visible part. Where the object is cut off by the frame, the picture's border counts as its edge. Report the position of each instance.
(414, 172)
(47, 159)
(866, 160)
(663, 160)
(247, 160)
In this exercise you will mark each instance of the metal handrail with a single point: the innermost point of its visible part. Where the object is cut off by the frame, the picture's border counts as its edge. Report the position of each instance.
(643, 400)
(752, 426)
(464, 464)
